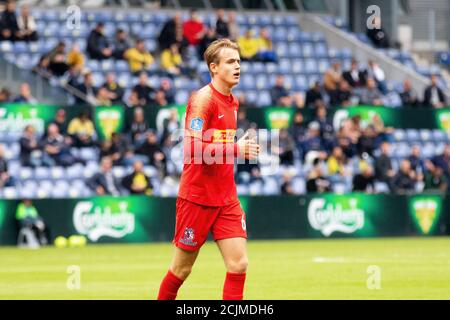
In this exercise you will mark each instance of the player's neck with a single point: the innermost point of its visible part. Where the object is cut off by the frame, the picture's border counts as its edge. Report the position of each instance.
(221, 87)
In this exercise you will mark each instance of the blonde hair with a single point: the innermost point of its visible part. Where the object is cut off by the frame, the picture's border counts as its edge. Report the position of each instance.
(212, 53)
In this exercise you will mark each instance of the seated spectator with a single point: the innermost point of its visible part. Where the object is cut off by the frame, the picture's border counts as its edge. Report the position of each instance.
(160, 99)
(266, 53)
(405, 180)
(5, 178)
(313, 94)
(370, 95)
(55, 61)
(383, 166)
(98, 46)
(326, 125)
(5, 95)
(133, 100)
(25, 95)
(409, 95)
(194, 29)
(435, 181)
(210, 37)
(298, 132)
(170, 125)
(138, 182)
(416, 162)
(114, 149)
(374, 71)
(285, 149)
(312, 146)
(337, 163)
(104, 182)
(355, 77)
(171, 61)
(114, 91)
(139, 58)
(28, 217)
(9, 29)
(378, 35)
(103, 97)
(442, 161)
(242, 121)
(222, 25)
(233, 26)
(26, 25)
(342, 96)
(280, 95)
(286, 185)
(138, 127)
(154, 153)
(317, 183)
(168, 34)
(248, 46)
(434, 96)
(60, 121)
(87, 90)
(332, 77)
(82, 130)
(367, 142)
(169, 92)
(30, 149)
(56, 148)
(121, 44)
(364, 181)
(143, 90)
(75, 58)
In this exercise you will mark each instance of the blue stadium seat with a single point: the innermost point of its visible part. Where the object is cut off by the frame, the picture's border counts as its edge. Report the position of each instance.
(264, 98)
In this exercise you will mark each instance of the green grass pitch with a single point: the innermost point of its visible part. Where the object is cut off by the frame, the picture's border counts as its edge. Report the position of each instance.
(410, 268)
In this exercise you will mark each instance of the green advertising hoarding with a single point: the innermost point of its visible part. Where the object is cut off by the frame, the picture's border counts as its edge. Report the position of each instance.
(150, 219)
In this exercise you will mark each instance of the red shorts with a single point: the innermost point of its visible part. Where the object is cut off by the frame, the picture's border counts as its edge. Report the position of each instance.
(194, 221)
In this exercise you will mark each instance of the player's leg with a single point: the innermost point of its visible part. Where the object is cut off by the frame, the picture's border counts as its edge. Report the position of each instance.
(230, 234)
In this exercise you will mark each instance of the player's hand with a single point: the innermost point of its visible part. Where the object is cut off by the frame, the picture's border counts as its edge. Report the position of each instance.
(248, 148)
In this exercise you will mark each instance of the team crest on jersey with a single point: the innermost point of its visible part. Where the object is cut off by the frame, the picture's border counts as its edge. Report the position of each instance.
(197, 124)
(188, 237)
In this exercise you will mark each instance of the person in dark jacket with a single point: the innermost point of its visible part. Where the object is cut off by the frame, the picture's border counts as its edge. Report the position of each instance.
(97, 44)
(104, 182)
(121, 44)
(222, 25)
(434, 96)
(153, 151)
(9, 29)
(168, 35)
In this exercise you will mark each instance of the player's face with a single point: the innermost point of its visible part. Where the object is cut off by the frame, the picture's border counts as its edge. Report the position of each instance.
(229, 67)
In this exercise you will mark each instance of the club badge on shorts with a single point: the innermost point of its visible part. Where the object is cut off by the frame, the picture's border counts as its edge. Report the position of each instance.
(188, 237)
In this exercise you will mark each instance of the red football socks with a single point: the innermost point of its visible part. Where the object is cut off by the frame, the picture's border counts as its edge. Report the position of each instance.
(233, 288)
(169, 287)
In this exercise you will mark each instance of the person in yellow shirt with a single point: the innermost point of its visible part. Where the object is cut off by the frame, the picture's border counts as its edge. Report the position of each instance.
(248, 46)
(171, 60)
(75, 58)
(139, 58)
(82, 130)
(265, 47)
(337, 162)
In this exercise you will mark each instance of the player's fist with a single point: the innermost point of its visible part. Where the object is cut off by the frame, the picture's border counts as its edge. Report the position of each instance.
(248, 148)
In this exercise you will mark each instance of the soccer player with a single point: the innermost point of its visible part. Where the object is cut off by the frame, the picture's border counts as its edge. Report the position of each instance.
(207, 199)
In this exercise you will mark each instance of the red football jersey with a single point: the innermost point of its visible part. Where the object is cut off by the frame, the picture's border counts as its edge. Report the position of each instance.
(209, 149)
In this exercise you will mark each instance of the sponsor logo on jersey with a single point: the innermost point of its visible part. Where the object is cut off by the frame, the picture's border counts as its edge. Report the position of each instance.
(226, 136)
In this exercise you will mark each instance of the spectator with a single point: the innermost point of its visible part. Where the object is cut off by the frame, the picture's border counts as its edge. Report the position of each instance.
(326, 126)
(434, 96)
(26, 25)
(370, 94)
(9, 29)
(317, 183)
(355, 77)
(374, 71)
(337, 163)
(114, 91)
(60, 121)
(5, 178)
(87, 89)
(169, 92)
(364, 181)
(342, 96)
(82, 130)
(98, 46)
(121, 44)
(170, 126)
(405, 179)
(104, 182)
(266, 52)
(25, 95)
(138, 182)
(286, 185)
(138, 127)
(27, 217)
(242, 121)
(103, 97)
(313, 94)
(383, 166)
(285, 149)
(55, 61)
(298, 132)
(75, 58)
(57, 151)
(30, 153)
(280, 95)
(139, 58)
(210, 37)
(143, 90)
(409, 95)
(171, 60)
(168, 35)
(154, 153)
(367, 142)
(416, 162)
(233, 26)
(332, 77)
(160, 99)
(377, 34)
(5, 95)
(442, 161)
(435, 180)
(221, 25)
(193, 29)
(248, 46)
(133, 100)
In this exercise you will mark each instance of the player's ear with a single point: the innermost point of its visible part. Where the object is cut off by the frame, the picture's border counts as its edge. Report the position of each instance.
(213, 68)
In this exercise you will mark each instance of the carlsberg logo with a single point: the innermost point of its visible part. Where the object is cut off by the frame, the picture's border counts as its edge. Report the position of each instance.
(329, 217)
(95, 221)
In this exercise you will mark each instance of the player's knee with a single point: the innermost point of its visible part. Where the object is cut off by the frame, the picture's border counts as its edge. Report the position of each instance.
(182, 272)
(238, 266)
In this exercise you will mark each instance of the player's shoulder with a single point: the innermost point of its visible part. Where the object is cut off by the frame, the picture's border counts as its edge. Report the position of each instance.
(202, 97)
